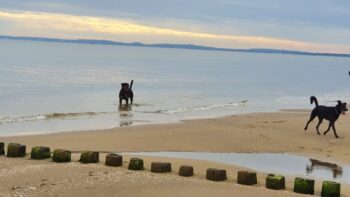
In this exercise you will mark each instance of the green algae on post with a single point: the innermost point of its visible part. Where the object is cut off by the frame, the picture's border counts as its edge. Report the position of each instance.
(304, 186)
(246, 178)
(330, 189)
(275, 182)
(16, 150)
(40, 152)
(60, 155)
(89, 157)
(136, 164)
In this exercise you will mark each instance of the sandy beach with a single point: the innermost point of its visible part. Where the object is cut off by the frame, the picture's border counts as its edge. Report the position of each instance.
(280, 132)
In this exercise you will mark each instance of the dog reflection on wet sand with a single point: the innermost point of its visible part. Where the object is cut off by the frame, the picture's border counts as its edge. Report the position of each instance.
(337, 170)
(125, 115)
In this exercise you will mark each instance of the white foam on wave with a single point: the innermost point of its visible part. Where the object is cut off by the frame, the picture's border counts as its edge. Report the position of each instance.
(22, 119)
(304, 101)
(200, 108)
(39, 117)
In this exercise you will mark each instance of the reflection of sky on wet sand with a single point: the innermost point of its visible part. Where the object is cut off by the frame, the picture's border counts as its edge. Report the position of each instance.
(277, 163)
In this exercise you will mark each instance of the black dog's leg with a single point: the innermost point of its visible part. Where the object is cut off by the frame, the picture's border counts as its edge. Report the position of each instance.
(329, 127)
(131, 99)
(120, 101)
(307, 124)
(318, 125)
(312, 117)
(335, 132)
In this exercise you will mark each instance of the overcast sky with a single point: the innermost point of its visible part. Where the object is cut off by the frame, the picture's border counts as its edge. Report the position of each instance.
(311, 25)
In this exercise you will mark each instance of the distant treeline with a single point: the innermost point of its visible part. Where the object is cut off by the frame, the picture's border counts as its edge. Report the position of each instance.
(176, 46)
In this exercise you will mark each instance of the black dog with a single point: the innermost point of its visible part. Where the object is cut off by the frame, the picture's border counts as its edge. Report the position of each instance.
(329, 113)
(126, 92)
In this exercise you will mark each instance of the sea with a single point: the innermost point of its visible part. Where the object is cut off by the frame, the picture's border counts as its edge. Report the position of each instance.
(48, 87)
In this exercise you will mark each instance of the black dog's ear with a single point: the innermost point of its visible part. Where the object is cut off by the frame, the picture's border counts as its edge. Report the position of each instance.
(339, 102)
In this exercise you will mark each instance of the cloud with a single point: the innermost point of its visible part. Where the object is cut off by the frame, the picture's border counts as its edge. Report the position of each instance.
(73, 26)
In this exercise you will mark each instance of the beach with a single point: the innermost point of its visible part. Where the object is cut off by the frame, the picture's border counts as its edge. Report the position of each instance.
(280, 132)
(222, 87)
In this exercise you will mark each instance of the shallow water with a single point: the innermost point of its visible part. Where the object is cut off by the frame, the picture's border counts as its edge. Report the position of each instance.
(48, 87)
(277, 163)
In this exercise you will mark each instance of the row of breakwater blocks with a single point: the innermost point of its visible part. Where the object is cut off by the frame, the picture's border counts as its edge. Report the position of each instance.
(275, 182)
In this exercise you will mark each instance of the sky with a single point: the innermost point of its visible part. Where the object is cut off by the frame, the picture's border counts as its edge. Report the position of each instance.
(308, 25)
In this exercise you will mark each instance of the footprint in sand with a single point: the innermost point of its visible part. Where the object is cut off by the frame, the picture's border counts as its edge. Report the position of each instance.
(317, 149)
(251, 126)
(263, 136)
(279, 121)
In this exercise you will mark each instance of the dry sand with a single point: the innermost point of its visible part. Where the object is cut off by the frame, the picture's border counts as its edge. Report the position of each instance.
(261, 132)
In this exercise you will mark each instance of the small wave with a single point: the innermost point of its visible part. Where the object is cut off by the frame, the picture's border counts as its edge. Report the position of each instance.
(137, 104)
(142, 104)
(22, 119)
(66, 115)
(48, 116)
(199, 108)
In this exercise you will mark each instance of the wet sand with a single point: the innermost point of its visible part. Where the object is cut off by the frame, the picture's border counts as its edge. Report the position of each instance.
(260, 132)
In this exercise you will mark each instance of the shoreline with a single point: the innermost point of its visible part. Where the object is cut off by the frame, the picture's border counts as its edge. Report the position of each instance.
(249, 124)
(147, 123)
(276, 132)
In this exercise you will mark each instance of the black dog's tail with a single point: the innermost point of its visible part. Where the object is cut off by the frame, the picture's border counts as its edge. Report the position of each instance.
(132, 81)
(313, 100)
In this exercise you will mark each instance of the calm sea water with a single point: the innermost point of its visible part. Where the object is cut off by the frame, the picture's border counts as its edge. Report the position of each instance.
(50, 87)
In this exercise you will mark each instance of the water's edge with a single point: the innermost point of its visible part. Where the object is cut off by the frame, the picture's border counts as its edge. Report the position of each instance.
(143, 123)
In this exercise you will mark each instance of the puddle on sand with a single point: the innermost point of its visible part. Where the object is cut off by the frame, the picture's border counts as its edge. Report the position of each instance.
(278, 163)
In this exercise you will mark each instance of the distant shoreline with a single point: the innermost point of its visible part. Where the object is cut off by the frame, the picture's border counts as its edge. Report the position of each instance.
(175, 46)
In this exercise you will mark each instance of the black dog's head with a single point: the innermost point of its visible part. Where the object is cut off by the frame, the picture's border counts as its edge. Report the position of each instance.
(342, 107)
(125, 91)
(125, 87)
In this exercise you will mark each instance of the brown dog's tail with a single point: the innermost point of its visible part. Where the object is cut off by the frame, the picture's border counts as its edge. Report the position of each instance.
(313, 99)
